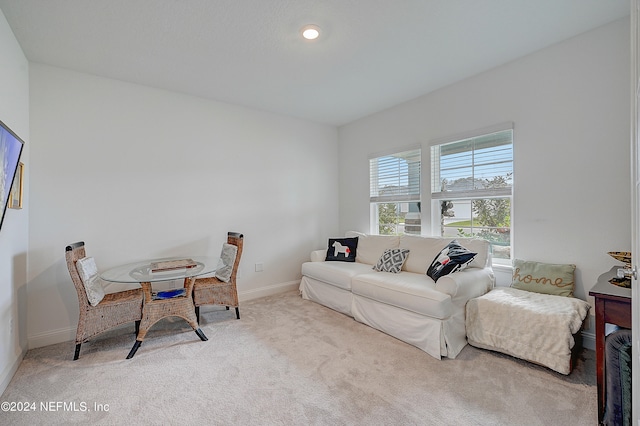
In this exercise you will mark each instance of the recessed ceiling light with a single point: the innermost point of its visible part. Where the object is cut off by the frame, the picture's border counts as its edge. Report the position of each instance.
(310, 32)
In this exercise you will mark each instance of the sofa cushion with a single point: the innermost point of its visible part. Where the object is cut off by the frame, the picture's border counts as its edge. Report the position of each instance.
(338, 274)
(371, 247)
(422, 250)
(477, 245)
(342, 249)
(452, 258)
(391, 260)
(406, 290)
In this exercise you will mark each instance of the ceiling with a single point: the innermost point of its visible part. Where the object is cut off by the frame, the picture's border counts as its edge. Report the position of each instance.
(371, 55)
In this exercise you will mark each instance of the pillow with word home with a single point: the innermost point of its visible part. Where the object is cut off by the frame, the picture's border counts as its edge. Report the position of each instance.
(546, 278)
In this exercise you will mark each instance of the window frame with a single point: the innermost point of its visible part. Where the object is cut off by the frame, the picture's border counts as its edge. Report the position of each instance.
(411, 196)
(472, 193)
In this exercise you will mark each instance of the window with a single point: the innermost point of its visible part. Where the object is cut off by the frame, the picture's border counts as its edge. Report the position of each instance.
(471, 189)
(395, 193)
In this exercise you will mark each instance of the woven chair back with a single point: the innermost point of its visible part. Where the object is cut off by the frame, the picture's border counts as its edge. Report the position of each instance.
(237, 239)
(73, 253)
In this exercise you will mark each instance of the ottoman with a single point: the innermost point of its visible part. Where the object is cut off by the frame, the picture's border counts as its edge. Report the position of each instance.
(535, 327)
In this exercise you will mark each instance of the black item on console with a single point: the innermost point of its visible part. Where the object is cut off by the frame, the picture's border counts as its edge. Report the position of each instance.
(618, 378)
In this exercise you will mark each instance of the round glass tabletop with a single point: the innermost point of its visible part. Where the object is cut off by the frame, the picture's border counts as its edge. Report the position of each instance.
(165, 269)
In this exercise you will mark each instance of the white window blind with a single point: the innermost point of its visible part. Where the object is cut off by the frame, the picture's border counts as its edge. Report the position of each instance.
(480, 166)
(395, 177)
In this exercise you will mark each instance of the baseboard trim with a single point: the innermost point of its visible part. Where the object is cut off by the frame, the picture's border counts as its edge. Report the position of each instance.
(51, 337)
(8, 373)
(589, 340)
(588, 333)
(268, 290)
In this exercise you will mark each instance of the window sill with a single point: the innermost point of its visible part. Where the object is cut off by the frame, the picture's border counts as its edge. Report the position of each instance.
(502, 267)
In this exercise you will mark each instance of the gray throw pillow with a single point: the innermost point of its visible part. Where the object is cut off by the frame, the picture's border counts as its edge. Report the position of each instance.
(392, 260)
(228, 256)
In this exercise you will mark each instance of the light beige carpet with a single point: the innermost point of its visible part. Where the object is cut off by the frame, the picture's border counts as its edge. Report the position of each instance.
(288, 361)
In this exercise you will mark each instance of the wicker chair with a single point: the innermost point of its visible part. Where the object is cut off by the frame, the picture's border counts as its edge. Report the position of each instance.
(115, 309)
(212, 291)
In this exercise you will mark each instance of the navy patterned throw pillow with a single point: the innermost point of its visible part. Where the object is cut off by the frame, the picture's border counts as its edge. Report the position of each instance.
(342, 249)
(452, 258)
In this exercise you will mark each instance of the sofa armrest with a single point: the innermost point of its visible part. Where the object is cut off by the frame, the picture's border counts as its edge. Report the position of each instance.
(467, 284)
(319, 255)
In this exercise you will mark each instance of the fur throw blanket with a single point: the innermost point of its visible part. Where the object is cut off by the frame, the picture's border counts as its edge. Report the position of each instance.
(532, 326)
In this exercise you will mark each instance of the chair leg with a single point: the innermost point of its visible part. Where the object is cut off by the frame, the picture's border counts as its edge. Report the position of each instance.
(237, 313)
(134, 349)
(137, 327)
(77, 354)
(198, 314)
(201, 335)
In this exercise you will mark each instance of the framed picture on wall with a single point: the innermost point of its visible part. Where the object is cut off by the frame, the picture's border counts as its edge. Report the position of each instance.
(15, 200)
(10, 151)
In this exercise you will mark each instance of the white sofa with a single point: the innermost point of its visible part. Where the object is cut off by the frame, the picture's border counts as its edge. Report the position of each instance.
(408, 305)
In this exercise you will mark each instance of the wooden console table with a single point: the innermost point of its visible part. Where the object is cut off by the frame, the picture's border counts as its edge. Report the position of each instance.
(613, 306)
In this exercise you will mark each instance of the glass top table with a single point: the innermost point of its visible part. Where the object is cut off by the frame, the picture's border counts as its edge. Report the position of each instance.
(139, 272)
(155, 308)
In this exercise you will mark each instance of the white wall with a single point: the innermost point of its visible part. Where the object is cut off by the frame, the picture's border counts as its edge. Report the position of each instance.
(570, 107)
(137, 172)
(14, 112)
